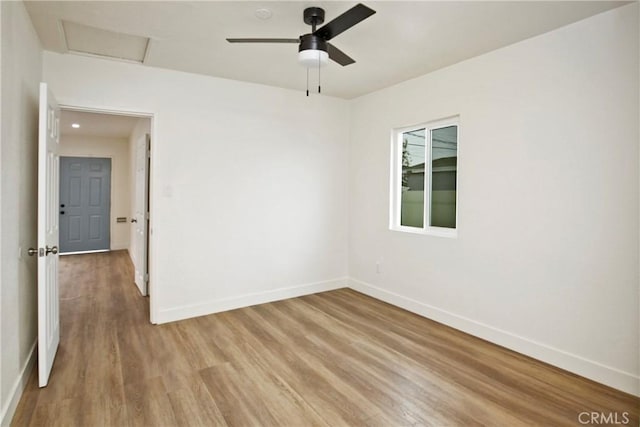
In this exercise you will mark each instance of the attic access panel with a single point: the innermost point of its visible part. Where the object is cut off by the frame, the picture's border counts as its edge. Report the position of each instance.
(97, 41)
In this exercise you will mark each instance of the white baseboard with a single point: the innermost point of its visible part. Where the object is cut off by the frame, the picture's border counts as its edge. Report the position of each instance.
(225, 304)
(595, 371)
(9, 408)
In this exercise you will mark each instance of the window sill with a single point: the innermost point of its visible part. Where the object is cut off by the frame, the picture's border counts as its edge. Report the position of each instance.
(451, 233)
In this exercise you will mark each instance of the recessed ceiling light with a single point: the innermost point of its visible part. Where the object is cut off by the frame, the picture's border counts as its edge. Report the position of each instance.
(75, 125)
(263, 14)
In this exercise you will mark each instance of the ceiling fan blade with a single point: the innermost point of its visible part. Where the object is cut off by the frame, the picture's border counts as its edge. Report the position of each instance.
(345, 21)
(339, 56)
(263, 40)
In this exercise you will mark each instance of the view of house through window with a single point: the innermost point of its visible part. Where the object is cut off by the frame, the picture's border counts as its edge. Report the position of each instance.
(426, 170)
(413, 157)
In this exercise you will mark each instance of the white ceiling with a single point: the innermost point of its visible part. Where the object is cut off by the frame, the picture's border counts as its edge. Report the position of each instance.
(401, 41)
(96, 124)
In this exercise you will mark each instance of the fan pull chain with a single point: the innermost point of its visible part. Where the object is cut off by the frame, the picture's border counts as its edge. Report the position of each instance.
(307, 81)
(319, 66)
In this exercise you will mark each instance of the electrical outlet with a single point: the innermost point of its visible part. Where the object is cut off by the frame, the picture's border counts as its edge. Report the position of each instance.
(379, 266)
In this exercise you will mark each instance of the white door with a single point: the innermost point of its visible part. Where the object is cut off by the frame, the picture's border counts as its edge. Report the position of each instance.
(48, 188)
(141, 218)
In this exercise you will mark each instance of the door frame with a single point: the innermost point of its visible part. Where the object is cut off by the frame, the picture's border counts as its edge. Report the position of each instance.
(101, 109)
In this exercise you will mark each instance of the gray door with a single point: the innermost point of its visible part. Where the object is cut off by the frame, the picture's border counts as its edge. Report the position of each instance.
(85, 204)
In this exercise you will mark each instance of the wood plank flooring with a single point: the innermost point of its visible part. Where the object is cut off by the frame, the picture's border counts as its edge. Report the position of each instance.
(331, 359)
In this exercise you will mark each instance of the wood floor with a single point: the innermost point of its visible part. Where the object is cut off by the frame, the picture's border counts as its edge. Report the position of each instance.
(331, 359)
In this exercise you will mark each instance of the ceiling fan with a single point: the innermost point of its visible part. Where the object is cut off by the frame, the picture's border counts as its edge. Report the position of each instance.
(313, 48)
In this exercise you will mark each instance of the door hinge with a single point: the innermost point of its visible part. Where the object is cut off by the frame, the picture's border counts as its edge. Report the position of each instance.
(146, 215)
(146, 277)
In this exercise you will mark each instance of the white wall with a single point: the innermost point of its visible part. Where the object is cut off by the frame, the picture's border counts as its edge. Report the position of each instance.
(248, 187)
(546, 261)
(21, 72)
(117, 149)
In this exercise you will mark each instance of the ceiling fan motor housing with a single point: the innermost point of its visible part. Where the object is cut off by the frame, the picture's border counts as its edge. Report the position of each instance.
(311, 42)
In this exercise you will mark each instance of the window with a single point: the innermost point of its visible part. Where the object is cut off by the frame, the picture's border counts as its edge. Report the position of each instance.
(424, 180)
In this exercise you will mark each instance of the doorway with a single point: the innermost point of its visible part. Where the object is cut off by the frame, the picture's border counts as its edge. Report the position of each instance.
(119, 142)
(85, 204)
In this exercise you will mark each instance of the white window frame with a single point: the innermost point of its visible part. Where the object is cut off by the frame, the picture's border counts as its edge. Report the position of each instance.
(396, 179)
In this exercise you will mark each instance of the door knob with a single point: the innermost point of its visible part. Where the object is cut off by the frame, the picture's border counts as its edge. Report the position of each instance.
(52, 250)
(32, 251)
(134, 220)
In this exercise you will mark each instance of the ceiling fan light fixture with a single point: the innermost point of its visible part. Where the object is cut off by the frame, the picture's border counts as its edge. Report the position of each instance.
(312, 58)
